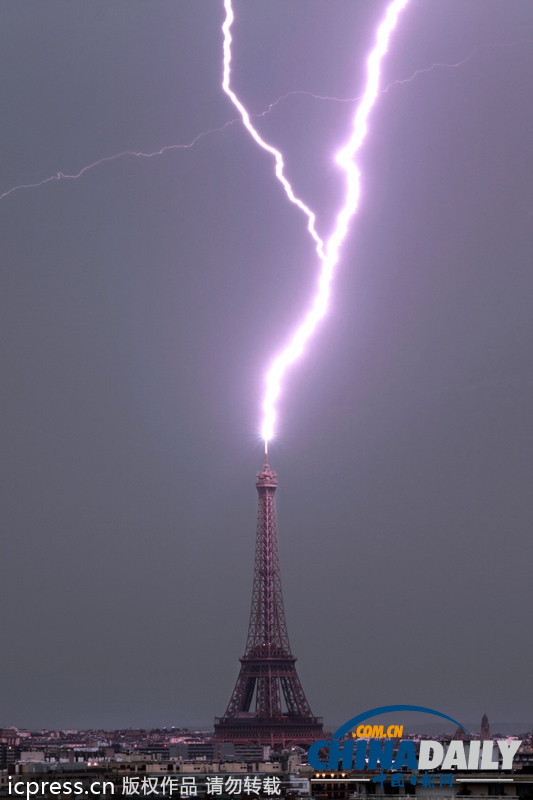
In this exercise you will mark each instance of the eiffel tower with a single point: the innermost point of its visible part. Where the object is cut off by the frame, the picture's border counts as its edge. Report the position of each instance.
(268, 705)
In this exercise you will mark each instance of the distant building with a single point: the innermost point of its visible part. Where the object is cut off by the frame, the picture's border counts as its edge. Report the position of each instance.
(485, 728)
(9, 747)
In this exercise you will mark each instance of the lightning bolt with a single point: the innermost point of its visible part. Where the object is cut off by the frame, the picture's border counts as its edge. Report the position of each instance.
(60, 176)
(247, 122)
(329, 255)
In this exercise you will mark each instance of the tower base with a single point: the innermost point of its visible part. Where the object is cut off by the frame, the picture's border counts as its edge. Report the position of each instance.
(277, 732)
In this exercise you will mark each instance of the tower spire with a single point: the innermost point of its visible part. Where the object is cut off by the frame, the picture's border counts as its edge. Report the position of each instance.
(268, 704)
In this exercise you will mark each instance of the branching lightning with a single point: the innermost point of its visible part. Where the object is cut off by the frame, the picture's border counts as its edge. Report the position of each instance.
(398, 81)
(60, 176)
(245, 116)
(328, 252)
(345, 158)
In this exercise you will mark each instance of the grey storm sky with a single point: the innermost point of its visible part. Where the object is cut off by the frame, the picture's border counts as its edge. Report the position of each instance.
(142, 303)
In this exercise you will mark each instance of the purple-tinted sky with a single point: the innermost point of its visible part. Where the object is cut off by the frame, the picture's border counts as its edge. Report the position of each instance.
(142, 303)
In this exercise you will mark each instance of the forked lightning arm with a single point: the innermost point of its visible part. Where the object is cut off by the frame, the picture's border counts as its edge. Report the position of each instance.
(329, 255)
(245, 116)
(60, 176)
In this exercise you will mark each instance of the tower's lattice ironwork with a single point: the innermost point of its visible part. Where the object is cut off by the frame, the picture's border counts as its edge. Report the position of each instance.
(268, 705)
